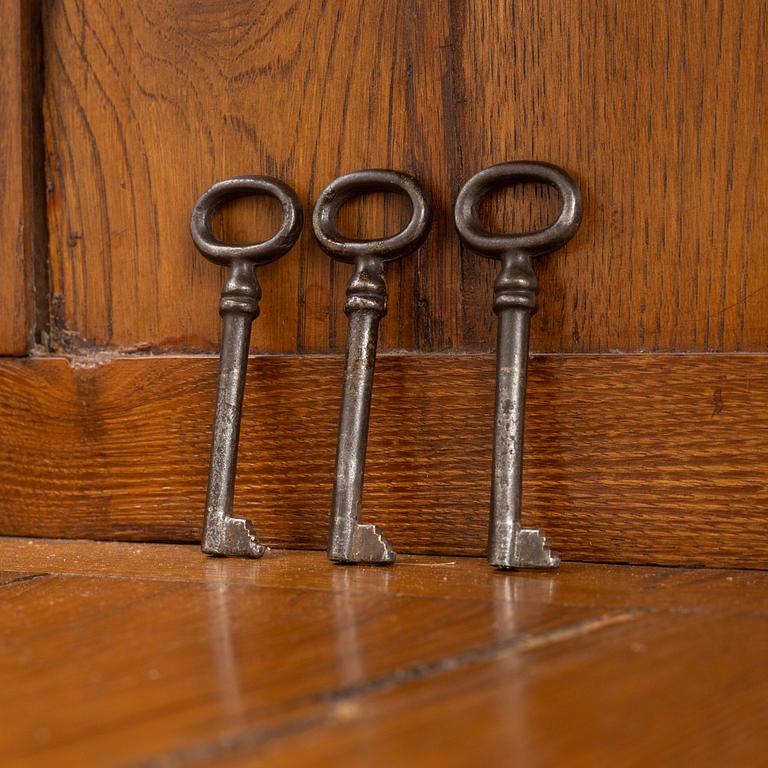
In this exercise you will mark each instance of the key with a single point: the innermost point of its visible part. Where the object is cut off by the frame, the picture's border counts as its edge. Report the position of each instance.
(349, 540)
(510, 544)
(224, 534)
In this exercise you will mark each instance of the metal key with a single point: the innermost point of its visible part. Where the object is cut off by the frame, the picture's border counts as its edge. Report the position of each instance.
(224, 534)
(511, 545)
(350, 541)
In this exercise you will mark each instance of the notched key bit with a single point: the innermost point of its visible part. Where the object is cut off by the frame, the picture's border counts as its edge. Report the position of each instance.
(224, 534)
(510, 544)
(349, 540)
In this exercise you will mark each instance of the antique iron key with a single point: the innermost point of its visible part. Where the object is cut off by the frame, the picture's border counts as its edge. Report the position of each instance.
(510, 544)
(349, 540)
(224, 534)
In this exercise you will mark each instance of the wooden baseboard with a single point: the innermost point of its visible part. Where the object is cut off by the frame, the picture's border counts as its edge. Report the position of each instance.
(629, 458)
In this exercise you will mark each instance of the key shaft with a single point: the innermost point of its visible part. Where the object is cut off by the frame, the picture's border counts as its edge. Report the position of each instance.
(365, 306)
(224, 534)
(509, 544)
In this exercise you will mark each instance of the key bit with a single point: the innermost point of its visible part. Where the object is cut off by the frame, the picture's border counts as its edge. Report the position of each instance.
(224, 534)
(351, 541)
(510, 544)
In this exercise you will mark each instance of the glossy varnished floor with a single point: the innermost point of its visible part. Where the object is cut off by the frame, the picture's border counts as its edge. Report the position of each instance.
(153, 655)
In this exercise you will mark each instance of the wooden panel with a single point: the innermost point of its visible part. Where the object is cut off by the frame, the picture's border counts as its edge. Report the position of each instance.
(23, 285)
(657, 109)
(154, 102)
(646, 459)
(295, 661)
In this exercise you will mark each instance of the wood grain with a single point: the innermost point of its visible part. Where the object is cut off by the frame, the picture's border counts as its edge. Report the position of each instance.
(657, 109)
(645, 459)
(172, 658)
(23, 247)
(280, 88)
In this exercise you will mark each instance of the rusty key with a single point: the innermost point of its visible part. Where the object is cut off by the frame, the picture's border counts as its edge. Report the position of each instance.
(510, 544)
(224, 534)
(349, 540)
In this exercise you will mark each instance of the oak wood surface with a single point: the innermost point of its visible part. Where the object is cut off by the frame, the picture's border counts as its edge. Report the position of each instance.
(657, 109)
(645, 459)
(113, 657)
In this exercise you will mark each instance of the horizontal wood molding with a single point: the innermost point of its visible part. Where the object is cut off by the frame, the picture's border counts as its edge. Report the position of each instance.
(643, 459)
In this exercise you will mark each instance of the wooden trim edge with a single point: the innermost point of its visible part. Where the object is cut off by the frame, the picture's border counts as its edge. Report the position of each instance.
(629, 458)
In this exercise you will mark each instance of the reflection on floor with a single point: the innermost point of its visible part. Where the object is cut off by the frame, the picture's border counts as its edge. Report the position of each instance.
(154, 655)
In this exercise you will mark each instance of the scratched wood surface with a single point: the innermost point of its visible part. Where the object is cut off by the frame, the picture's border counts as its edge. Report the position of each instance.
(23, 250)
(644, 459)
(179, 659)
(657, 109)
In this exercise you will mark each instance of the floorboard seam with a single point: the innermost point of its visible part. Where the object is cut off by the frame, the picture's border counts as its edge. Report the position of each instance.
(242, 582)
(25, 577)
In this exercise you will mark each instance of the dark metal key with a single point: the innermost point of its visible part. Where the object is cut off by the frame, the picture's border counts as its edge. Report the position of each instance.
(510, 544)
(224, 534)
(349, 540)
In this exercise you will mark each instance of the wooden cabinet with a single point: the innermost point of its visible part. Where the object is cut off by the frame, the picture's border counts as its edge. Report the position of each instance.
(648, 413)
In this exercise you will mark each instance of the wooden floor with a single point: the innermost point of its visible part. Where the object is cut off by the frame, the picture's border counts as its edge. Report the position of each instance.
(153, 655)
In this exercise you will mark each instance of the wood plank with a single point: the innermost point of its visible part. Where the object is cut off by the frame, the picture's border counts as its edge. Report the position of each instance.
(23, 287)
(115, 669)
(122, 670)
(644, 459)
(657, 109)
